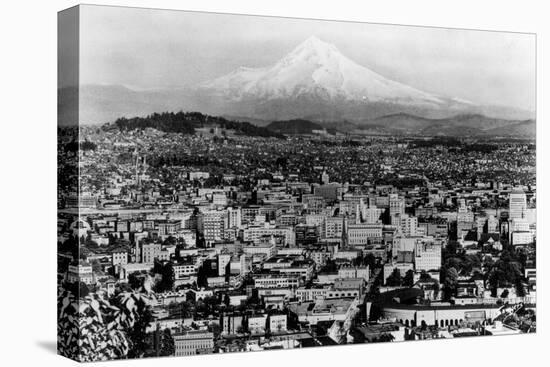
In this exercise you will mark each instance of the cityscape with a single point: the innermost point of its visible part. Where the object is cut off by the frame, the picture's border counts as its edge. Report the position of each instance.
(263, 228)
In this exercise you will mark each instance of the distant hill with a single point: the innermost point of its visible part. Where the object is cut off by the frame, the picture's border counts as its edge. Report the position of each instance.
(294, 126)
(187, 122)
(460, 125)
(522, 129)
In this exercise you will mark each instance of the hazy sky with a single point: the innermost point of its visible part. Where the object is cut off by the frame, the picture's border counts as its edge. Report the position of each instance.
(143, 49)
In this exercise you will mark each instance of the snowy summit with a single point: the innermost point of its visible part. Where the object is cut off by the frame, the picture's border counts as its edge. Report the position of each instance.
(317, 69)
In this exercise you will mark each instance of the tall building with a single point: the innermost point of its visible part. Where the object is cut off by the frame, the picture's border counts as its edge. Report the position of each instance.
(234, 217)
(371, 215)
(150, 252)
(212, 224)
(333, 227)
(427, 256)
(397, 205)
(409, 225)
(518, 204)
(520, 233)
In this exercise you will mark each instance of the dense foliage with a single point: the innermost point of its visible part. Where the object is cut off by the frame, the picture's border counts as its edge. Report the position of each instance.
(92, 328)
(73, 146)
(297, 126)
(187, 122)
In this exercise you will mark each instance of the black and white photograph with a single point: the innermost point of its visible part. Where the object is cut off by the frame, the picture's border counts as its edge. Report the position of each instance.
(227, 187)
(274, 183)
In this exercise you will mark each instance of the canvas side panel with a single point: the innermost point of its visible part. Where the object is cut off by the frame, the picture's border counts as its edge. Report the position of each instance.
(68, 226)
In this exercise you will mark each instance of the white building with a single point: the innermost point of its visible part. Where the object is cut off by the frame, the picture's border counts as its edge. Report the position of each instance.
(409, 225)
(427, 256)
(359, 234)
(254, 234)
(277, 323)
(193, 342)
(119, 257)
(518, 204)
(212, 224)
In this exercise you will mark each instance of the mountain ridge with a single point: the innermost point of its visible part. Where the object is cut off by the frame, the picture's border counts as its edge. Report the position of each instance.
(459, 125)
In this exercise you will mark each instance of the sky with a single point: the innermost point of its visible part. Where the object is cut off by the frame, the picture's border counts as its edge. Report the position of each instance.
(149, 49)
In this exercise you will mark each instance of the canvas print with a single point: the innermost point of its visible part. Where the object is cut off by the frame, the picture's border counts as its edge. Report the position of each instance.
(235, 183)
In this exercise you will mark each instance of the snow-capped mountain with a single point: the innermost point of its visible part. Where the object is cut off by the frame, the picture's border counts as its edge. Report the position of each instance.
(314, 81)
(316, 69)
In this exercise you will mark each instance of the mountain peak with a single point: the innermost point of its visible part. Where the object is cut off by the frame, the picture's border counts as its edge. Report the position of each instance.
(313, 39)
(317, 70)
(314, 50)
(315, 43)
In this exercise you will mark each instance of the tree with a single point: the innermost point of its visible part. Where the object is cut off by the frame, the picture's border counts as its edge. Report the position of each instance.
(96, 265)
(166, 343)
(408, 279)
(84, 332)
(520, 288)
(394, 280)
(90, 328)
(214, 328)
(384, 338)
(450, 281)
(424, 275)
(330, 266)
(135, 281)
(369, 260)
(437, 287)
(168, 278)
(471, 262)
(136, 315)
(423, 325)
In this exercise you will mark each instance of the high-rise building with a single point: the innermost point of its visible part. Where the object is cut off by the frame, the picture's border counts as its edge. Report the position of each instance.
(212, 224)
(333, 227)
(409, 225)
(234, 217)
(372, 214)
(518, 204)
(397, 205)
(427, 256)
